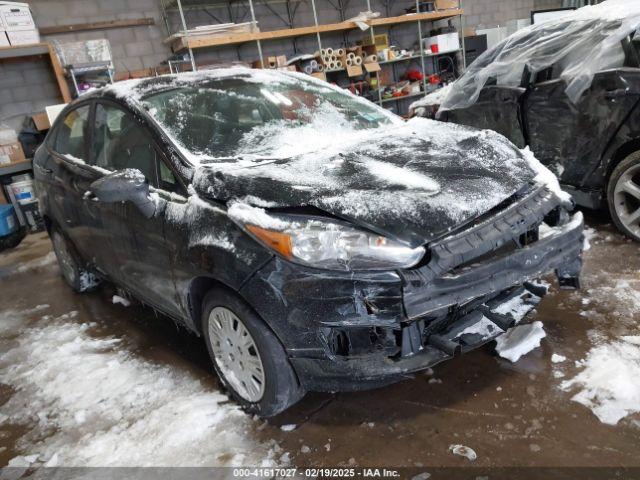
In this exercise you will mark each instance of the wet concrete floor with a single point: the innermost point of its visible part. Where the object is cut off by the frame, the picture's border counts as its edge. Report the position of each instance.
(509, 414)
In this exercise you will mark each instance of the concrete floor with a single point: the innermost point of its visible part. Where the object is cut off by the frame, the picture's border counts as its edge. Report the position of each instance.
(510, 414)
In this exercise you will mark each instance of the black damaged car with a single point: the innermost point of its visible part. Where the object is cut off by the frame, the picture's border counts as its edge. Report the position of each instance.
(570, 90)
(315, 241)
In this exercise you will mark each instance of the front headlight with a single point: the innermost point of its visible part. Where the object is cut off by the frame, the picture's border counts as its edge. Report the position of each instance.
(333, 245)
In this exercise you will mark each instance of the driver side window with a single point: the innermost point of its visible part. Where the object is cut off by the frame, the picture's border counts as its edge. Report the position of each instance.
(119, 142)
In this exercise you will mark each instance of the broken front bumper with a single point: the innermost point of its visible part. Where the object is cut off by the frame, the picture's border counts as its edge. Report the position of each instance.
(349, 331)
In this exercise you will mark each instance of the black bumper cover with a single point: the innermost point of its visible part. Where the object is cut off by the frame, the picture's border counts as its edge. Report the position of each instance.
(485, 288)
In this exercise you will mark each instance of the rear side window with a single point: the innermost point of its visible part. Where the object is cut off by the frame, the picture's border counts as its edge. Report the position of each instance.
(120, 142)
(70, 136)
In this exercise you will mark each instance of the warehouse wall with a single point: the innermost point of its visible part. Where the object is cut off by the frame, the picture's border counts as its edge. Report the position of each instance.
(26, 86)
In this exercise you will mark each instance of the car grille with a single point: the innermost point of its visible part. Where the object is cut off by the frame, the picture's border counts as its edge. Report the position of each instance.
(488, 239)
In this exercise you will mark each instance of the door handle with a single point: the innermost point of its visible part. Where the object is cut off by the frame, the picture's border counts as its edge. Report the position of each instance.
(42, 170)
(611, 94)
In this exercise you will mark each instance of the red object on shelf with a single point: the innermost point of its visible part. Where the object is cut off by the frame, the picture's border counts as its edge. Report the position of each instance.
(434, 79)
(435, 48)
(414, 75)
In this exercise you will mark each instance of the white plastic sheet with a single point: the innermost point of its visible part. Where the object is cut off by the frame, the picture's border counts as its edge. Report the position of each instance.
(578, 45)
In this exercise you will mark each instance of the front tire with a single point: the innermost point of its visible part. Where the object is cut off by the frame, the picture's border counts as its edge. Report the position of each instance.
(623, 196)
(76, 276)
(247, 356)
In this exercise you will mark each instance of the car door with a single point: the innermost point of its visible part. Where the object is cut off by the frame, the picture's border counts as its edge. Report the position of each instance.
(68, 175)
(497, 108)
(571, 138)
(121, 141)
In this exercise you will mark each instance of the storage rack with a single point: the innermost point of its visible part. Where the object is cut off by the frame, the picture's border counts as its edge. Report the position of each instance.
(237, 15)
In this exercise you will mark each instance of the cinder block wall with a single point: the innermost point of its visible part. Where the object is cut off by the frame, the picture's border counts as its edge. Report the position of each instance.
(27, 86)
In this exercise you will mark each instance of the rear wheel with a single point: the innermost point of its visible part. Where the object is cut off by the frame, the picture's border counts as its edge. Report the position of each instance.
(623, 196)
(71, 266)
(247, 356)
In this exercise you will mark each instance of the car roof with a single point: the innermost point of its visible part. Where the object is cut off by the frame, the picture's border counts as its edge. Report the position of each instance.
(132, 91)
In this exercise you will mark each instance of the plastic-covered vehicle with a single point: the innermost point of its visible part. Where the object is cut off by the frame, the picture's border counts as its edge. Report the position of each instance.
(314, 240)
(570, 90)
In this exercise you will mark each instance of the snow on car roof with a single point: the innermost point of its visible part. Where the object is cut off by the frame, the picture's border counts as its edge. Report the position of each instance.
(579, 45)
(132, 91)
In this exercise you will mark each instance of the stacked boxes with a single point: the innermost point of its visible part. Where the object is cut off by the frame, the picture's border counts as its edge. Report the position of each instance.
(10, 148)
(16, 25)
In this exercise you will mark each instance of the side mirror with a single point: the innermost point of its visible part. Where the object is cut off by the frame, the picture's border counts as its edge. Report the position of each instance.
(128, 185)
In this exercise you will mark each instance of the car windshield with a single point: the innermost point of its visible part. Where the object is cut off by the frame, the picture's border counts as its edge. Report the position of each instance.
(236, 117)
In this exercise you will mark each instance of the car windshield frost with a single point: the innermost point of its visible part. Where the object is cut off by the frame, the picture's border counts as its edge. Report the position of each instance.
(233, 117)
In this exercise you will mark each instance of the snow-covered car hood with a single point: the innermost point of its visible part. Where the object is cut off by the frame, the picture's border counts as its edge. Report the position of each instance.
(414, 181)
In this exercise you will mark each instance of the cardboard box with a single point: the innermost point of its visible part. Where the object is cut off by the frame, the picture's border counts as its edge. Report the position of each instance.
(320, 75)
(354, 70)
(11, 153)
(23, 37)
(447, 4)
(469, 31)
(372, 67)
(447, 42)
(16, 17)
(41, 121)
(380, 42)
(4, 41)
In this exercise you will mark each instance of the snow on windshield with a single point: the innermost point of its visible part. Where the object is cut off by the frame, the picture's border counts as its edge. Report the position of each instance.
(251, 106)
(577, 45)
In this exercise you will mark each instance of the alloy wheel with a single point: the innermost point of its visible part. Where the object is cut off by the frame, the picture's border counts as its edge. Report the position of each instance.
(627, 199)
(236, 354)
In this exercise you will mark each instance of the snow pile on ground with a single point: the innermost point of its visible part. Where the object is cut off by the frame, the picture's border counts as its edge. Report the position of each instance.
(590, 235)
(520, 340)
(48, 259)
(609, 383)
(95, 404)
(557, 358)
(463, 451)
(117, 299)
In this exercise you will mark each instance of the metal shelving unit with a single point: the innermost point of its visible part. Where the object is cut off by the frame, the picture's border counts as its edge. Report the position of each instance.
(243, 10)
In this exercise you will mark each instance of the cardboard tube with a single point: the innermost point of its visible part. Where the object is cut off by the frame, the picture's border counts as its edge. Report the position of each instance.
(339, 64)
(371, 59)
(349, 62)
(358, 61)
(328, 51)
(320, 68)
(340, 52)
